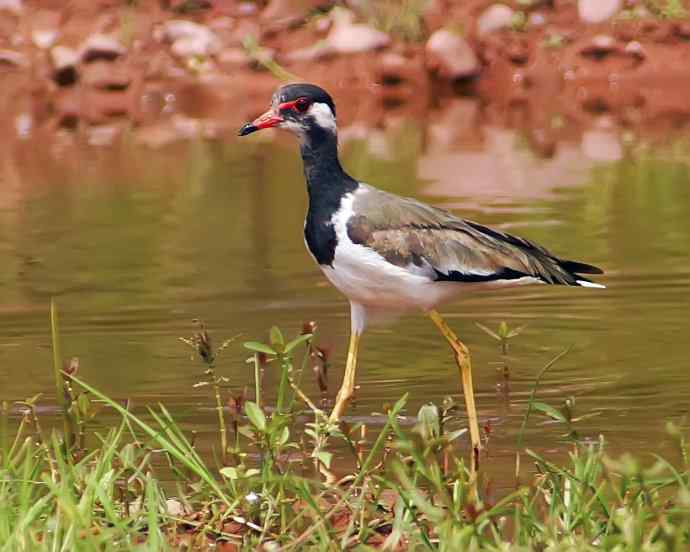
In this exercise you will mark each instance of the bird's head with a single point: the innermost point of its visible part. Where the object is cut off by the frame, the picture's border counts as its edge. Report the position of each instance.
(304, 109)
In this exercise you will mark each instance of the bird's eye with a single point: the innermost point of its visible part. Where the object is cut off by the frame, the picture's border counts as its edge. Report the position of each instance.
(302, 104)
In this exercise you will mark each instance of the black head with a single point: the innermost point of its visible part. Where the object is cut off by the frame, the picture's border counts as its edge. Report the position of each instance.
(305, 109)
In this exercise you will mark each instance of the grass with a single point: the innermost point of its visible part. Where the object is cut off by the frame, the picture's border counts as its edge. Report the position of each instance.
(138, 482)
(668, 9)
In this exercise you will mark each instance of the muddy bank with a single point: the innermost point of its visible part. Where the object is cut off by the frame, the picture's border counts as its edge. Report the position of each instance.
(160, 71)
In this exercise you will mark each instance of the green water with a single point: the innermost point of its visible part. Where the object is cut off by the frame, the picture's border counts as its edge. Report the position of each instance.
(134, 244)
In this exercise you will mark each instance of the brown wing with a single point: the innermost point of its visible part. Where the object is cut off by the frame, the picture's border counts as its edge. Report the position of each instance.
(442, 246)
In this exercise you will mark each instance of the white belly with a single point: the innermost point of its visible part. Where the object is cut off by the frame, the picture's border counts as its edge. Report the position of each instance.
(368, 279)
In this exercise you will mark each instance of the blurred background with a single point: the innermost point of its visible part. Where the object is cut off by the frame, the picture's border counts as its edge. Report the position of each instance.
(125, 195)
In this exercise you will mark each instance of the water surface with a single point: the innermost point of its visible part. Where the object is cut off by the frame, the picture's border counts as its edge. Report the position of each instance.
(136, 243)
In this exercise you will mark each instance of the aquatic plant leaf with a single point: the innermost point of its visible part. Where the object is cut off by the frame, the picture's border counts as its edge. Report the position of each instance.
(455, 434)
(276, 337)
(297, 341)
(488, 331)
(550, 411)
(230, 472)
(255, 415)
(258, 347)
(324, 457)
(428, 422)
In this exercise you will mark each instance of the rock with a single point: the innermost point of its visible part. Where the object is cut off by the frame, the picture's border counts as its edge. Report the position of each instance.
(67, 108)
(348, 37)
(23, 124)
(602, 145)
(394, 67)
(15, 7)
(634, 49)
(451, 56)
(599, 46)
(246, 9)
(682, 29)
(105, 76)
(433, 15)
(45, 28)
(101, 46)
(65, 62)
(10, 57)
(536, 19)
(190, 39)
(177, 128)
(598, 11)
(517, 51)
(175, 508)
(192, 46)
(494, 18)
(233, 57)
(44, 38)
(102, 135)
(97, 106)
(402, 79)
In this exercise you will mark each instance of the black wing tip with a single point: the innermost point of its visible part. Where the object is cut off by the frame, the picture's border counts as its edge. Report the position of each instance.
(580, 268)
(504, 274)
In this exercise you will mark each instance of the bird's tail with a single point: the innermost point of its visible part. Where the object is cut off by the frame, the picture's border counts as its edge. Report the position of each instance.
(576, 268)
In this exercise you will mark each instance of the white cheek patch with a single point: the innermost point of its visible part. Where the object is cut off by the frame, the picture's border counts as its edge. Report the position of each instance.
(323, 116)
(293, 126)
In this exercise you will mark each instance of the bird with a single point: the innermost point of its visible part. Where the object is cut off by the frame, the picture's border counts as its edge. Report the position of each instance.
(390, 254)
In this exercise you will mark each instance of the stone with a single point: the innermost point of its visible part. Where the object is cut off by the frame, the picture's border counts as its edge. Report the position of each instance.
(682, 29)
(67, 108)
(599, 46)
(44, 38)
(348, 37)
(101, 46)
(15, 7)
(598, 11)
(536, 19)
(65, 62)
(45, 28)
(450, 56)
(175, 508)
(635, 49)
(602, 145)
(98, 106)
(495, 18)
(102, 135)
(23, 124)
(164, 133)
(433, 15)
(233, 57)
(10, 57)
(105, 76)
(190, 39)
(246, 9)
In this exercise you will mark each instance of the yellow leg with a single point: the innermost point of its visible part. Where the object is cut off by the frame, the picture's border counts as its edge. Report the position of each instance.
(462, 359)
(347, 389)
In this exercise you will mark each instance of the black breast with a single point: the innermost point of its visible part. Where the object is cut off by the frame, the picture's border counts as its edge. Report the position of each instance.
(327, 184)
(320, 235)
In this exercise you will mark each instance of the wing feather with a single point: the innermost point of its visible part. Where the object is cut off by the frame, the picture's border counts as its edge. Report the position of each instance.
(444, 247)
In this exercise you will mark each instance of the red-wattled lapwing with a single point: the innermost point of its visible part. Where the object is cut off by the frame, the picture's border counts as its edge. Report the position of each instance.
(390, 254)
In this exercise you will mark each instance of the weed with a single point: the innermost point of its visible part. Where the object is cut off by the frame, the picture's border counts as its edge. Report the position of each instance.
(404, 490)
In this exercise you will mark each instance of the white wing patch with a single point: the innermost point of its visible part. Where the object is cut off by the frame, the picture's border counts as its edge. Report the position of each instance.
(584, 283)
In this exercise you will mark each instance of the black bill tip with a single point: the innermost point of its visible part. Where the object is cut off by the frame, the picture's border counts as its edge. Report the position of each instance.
(247, 128)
